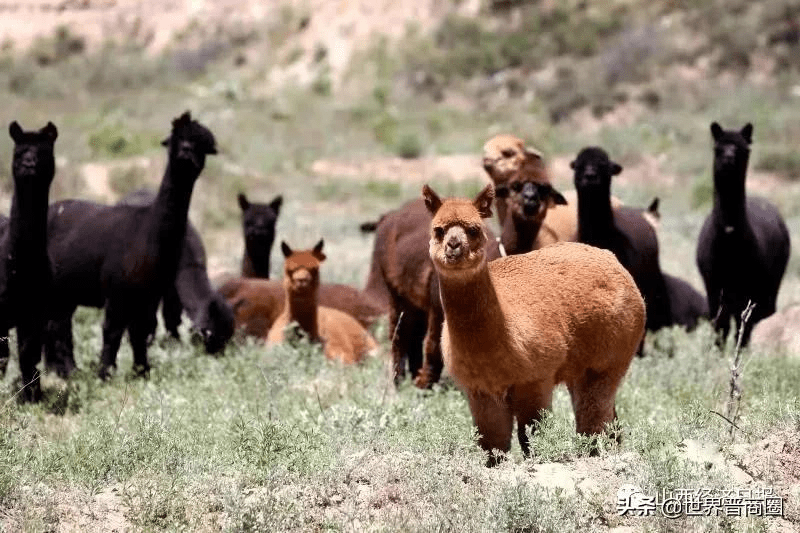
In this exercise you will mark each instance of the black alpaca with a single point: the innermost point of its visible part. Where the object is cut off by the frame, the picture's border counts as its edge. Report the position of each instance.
(744, 245)
(623, 231)
(258, 223)
(125, 258)
(25, 267)
(686, 304)
(209, 312)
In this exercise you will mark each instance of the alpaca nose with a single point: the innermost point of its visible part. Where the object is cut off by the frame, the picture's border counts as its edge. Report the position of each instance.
(453, 247)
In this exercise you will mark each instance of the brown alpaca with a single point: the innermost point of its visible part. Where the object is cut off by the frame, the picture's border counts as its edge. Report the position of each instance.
(258, 302)
(343, 338)
(516, 327)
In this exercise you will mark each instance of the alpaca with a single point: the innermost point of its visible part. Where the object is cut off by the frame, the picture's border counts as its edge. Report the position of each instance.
(124, 258)
(343, 338)
(212, 317)
(527, 199)
(257, 303)
(743, 231)
(623, 231)
(687, 306)
(578, 321)
(25, 270)
(258, 224)
(400, 257)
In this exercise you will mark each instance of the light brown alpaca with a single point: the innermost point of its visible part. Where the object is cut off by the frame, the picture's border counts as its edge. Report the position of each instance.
(516, 327)
(343, 338)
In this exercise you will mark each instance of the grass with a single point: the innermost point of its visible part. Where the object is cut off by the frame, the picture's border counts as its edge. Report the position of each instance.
(279, 439)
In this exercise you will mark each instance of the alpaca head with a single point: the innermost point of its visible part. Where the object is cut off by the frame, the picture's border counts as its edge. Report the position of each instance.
(731, 150)
(259, 221)
(458, 237)
(504, 155)
(301, 269)
(593, 170)
(33, 154)
(216, 324)
(189, 144)
(528, 196)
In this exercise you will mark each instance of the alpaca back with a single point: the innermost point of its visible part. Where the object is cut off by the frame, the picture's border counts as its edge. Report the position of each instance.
(567, 308)
(344, 339)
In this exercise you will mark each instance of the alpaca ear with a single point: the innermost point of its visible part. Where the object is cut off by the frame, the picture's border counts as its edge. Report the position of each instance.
(432, 200)
(532, 153)
(747, 133)
(285, 249)
(276, 203)
(653, 208)
(317, 251)
(716, 131)
(615, 168)
(243, 203)
(212, 150)
(483, 202)
(15, 131)
(556, 197)
(165, 142)
(183, 119)
(51, 131)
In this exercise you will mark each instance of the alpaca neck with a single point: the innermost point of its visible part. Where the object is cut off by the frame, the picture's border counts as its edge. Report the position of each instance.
(730, 197)
(28, 225)
(471, 306)
(257, 254)
(595, 217)
(519, 235)
(303, 310)
(168, 216)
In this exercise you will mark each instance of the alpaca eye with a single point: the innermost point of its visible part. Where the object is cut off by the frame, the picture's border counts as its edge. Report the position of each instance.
(438, 232)
(516, 186)
(473, 232)
(508, 152)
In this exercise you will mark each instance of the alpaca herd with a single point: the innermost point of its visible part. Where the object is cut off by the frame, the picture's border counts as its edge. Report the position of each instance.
(564, 294)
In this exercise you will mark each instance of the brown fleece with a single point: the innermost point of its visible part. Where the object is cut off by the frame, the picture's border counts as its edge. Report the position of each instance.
(343, 338)
(516, 327)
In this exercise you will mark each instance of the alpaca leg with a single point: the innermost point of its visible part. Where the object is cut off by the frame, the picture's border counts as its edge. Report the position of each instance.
(432, 368)
(171, 310)
(494, 420)
(29, 343)
(527, 403)
(137, 332)
(4, 351)
(402, 326)
(114, 326)
(593, 400)
(58, 351)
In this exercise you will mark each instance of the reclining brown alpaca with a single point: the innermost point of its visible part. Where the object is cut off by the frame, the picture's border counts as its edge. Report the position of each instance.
(343, 338)
(516, 327)
(258, 302)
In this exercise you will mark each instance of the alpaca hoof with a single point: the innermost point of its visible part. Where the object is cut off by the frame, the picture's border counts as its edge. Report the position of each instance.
(104, 372)
(495, 458)
(32, 392)
(141, 371)
(423, 379)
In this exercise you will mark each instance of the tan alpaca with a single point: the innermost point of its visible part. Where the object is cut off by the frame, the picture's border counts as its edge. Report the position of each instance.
(516, 327)
(343, 338)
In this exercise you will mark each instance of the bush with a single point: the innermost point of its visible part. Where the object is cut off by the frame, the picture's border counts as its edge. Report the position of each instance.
(409, 146)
